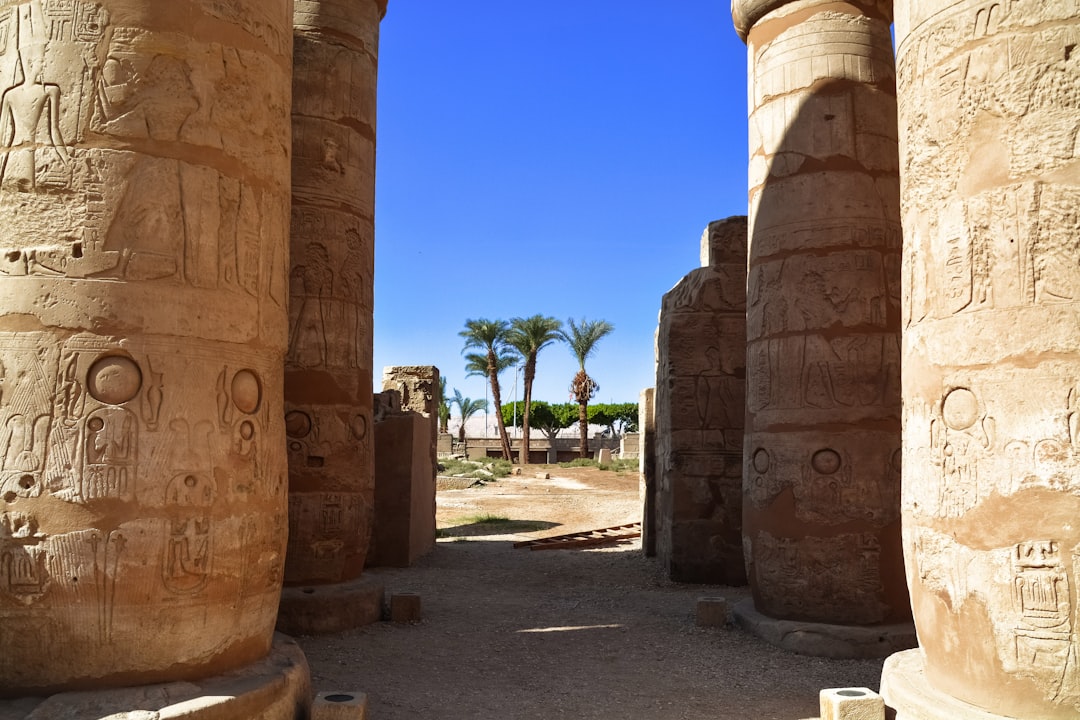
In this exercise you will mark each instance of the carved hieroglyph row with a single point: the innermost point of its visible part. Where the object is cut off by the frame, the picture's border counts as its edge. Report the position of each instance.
(989, 115)
(820, 455)
(181, 495)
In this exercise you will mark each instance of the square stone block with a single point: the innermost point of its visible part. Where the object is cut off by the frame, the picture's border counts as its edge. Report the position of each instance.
(405, 607)
(857, 703)
(339, 705)
(713, 612)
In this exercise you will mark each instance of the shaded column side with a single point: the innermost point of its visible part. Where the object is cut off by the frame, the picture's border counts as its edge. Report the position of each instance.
(822, 461)
(328, 375)
(699, 414)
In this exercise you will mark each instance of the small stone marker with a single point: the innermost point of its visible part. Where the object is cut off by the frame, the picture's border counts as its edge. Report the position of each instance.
(851, 704)
(405, 607)
(713, 612)
(603, 455)
(543, 476)
(339, 705)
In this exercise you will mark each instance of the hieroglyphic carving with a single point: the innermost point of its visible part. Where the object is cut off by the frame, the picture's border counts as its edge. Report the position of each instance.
(798, 577)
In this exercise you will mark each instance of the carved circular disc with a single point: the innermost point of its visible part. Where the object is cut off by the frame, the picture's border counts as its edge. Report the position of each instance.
(761, 460)
(246, 391)
(825, 461)
(297, 424)
(960, 409)
(114, 379)
(358, 427)
(247, 430)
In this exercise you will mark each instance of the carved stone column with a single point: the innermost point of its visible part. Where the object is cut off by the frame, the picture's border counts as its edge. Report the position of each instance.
(699, 414)
(144, 160)
(822, 464)
(647, 469)
(989, 115)
(328, 378)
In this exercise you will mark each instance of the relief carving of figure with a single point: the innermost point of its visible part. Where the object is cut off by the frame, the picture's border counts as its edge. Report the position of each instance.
(29, 119)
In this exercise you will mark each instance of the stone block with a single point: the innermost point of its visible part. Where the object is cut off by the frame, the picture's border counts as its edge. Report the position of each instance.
(404, 492)
(339, 705)
(405, 607)
(543, 476)
(856, 703)
(713, 612)
(603, 455)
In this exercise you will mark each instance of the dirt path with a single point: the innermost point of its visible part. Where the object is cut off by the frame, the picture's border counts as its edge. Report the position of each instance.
(591, 634)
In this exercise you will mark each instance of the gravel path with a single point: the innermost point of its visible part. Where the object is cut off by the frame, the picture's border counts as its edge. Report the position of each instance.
(590, 634)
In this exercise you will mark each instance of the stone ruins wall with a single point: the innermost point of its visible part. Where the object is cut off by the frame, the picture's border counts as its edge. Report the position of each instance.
(699, 409)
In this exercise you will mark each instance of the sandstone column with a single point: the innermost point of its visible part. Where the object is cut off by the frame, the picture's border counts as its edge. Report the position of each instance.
(328, 377)
(144, 163)
(989, 114)
(647, 469)
(822, 463)
(699, 413)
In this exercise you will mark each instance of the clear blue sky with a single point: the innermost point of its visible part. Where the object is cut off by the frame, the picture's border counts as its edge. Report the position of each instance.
(559, 158)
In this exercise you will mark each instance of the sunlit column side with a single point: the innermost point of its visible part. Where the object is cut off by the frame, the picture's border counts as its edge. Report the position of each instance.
(989, 112)
(144, 163)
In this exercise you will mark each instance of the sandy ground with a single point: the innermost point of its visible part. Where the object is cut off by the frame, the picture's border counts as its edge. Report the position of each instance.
(515, 634)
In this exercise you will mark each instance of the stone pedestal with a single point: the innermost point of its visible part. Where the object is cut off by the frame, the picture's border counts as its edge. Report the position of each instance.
(821, 453)
(277, 687)
(328, 414)
(700, 406)
(143, 221)
(988, 129)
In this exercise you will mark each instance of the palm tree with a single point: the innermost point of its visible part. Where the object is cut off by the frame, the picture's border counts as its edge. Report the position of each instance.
(582, 340)
(490, 337)
(528, 336)
(476, 365)
(467, 407)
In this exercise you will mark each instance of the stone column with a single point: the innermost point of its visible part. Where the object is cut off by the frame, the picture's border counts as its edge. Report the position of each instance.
(144, 163)
(328, 377)
(989, 115)
(822, 464)
(700, 408)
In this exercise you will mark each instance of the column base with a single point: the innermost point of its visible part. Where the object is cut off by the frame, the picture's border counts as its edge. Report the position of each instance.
(825, 640)
(325, 609)
(278, 687)
(907, 691)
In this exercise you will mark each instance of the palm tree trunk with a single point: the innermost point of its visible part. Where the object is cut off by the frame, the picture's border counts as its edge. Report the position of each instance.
(583, 427)
(496, 400)
(530, 375)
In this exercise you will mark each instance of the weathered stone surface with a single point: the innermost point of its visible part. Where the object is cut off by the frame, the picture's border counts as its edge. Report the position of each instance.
(821, 454)
(144, 157)
(277, 687)
(405, 607)
(700, 405)
(331, 608)
(404, 491)
(647, 469)
(713, 612)
(826, 639)
(989, 113)
(328, 366)
(908, 693)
